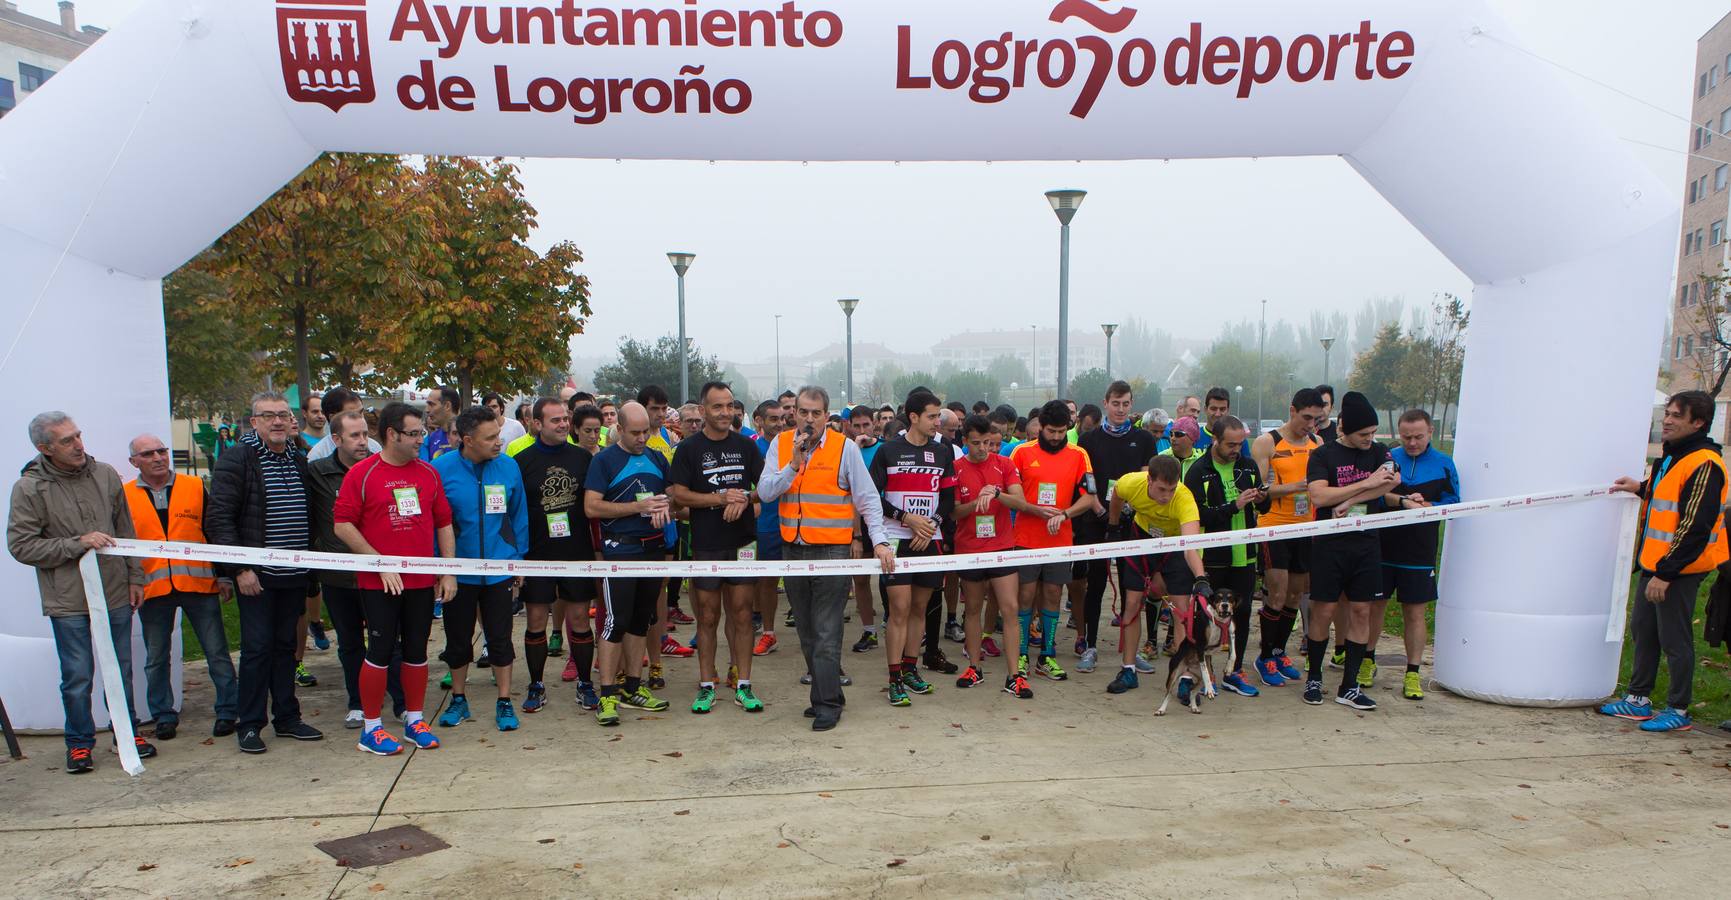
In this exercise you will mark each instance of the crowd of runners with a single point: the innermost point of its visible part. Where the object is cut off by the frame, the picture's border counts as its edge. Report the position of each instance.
(579, 478)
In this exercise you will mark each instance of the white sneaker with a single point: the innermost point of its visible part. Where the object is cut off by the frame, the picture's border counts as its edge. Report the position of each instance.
(1089, 659)
(354, 719)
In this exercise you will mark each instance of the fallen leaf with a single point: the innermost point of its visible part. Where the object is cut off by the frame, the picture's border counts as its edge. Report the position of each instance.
(1286, 803)
(1069, 726)
(1377, 867)
(985, 837)
(682, 812)
(528, 746)
(1539, 741)
(898, 861)
(545, 841)
(910, 750)
(576, 865)
(825, 794)
(402, 846)
(1528, 786)
(649, 718)
(783, 845)
(674, 755)
(145, 867)
(1519, 818)
(377, 887)
(1718, 825)
(315, 780)
(315, 823)
(955, 724)
(243, 861)
(1204, 736)
(1406, 840)
(1012, 718)
(617, 737)
(208, 741)
(343, 861)
(902, 727)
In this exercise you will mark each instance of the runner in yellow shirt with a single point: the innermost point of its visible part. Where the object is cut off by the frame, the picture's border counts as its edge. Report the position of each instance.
(1162, 507)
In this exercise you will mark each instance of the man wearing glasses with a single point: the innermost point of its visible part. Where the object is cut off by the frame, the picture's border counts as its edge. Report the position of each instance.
(258, 498)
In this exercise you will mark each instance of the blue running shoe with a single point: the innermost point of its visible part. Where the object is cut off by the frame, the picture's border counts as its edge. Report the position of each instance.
(535, 698)
(422, 735)
(586, 696)
(505, 716)
(1669, 720)
(1288, 671)
(320, 639)
(457, 713)
(1184, 691)
(1236, 684)
(1631, 707)
(378, 742)
(1268, 669)
(1126, 681)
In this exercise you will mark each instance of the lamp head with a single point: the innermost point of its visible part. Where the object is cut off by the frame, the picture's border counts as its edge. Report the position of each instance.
(1110, 329)
(681, 261)
(1065, 203)
(848, 305)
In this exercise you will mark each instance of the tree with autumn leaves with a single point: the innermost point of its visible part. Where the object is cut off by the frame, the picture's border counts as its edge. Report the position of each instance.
(369, 272)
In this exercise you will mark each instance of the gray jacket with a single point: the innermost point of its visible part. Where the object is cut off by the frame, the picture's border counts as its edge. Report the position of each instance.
(51, 508)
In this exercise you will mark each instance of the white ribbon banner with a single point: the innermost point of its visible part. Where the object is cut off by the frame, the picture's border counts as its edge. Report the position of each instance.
(350, 562)
(108, 661)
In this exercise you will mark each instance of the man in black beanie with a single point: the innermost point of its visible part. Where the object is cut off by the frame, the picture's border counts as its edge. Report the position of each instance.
(1349, 476)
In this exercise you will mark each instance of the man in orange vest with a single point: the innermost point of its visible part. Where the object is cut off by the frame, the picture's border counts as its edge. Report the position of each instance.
(1682, 539)
(821, 481)
(170, 507)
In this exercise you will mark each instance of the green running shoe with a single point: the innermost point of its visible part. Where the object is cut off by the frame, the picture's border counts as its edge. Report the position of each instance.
(1049, 668)
(746, 699)
(1022, 664)
(705, 700)
(912, 681)
(899, 695)
(1367, 673)
(1337, 659)
(642, 699)
(608, 714)
(445, 682)
(556, 645)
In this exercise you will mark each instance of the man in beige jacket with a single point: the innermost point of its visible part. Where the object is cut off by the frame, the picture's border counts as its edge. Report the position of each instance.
(64, 504)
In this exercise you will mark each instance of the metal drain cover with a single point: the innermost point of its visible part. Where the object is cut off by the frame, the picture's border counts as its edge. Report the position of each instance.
(382, 847)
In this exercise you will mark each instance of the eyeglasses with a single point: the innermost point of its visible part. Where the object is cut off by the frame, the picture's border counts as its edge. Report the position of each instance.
(417, 434)
(279, 416)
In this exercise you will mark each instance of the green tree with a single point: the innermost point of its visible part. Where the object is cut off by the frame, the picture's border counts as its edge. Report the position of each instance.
(211, 368)
(882, 385)
(967, 387)
(1007, 370)
(1089, 387)
(642, 364)
(502, 314)
(832, 377)
(905, 384)
(1376, 373)
(1230, 365)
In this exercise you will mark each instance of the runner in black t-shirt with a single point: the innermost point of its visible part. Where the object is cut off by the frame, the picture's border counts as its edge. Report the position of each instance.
(1347, 477)
(553, 472)
(1116, 449)
(713, 474)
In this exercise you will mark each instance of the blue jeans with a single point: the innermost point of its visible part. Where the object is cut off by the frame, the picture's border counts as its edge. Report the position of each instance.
(204, 614)
(78, 669)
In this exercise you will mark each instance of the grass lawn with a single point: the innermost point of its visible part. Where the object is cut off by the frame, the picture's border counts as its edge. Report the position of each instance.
(190, 650)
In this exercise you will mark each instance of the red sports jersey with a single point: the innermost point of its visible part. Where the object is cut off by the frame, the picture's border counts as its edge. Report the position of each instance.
(1049, 479)
(989, 530)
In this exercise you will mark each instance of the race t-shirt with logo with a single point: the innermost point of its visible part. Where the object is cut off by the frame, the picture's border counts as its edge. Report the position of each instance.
(621, 477)
(1158, 519)
(1289, 464)
(436, 444)
(398, 509)
(553, 478)
(917, 480)
(708, 466)
(1342, 466)
(1050, 479)
(990, 529)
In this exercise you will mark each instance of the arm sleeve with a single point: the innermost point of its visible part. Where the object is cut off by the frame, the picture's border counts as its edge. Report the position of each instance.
(24, 537)
(880, 478)
(775, 478)
(947, 492)
(1697, 515)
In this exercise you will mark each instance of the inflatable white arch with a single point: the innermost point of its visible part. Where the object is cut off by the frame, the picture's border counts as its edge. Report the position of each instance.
(178, 123)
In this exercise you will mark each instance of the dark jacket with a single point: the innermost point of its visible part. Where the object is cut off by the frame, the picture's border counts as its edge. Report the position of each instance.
(1716, 628)
(1215, 510)
(1696, 522)
(324, 478)
(235, 516)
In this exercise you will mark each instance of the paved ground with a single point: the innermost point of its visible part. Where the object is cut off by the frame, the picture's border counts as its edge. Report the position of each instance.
(967, 793)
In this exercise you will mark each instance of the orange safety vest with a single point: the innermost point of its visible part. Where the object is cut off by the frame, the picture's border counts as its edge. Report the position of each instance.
(1663, 511)
(815, 509)
(185, 523)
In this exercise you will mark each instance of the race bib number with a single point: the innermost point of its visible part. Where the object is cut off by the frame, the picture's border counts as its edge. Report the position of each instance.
(1358, 509)
(559, 525)
(494, 499)
(408, 501)
(1047, 494)
(642, 496)
(985, 527)
(748, 553)
(1156, 532)
(1301, 503)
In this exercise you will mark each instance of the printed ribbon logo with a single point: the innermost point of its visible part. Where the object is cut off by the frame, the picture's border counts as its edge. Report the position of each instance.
(324, 51)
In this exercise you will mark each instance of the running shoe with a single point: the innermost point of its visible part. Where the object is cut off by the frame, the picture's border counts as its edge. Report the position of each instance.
(320, 639)
(1081, 646)
(445, 682)
(354, 719)
(1170, 646)
(421, 735)
(936, 661)
(673, 648)
(705, 700)
(556, 645)
(868, 641)
(1144, 665)
(1148, 649)
(1669, 720)
(954, 632)
(570, 673)
(912, 681)
(586, 698)
(1049, 668)
(1184, 690)
(1313, 693)
(969, 677)
(1337, 659)
(535, 697)
(78, 760)
(990, 647)
(607, 714)
(456, 713)
(483, 661)
(1117, 620)
(1410, 687)
(303, 677)
(1126, 681)
(1022, 664)
(1288, 671)
(766, 645)
(1631, 707)
(1017, 686)
(846, 681)
(1237, 684)
(746, 700)
(438, 609)
(1090, 659)
(657, 677)
(504, 716)
(899, 695)
(1355, 698)
(679, 616)
(378, 742)
(1367, 673)
(146, 749)
(1268, 670)
(788, 620)
(643, 699)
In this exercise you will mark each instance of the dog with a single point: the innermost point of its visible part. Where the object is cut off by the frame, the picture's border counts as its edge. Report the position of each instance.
(1202, 626)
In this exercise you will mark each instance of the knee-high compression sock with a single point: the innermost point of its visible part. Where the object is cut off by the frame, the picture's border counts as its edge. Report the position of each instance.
(583, 650)
(372, 685)
(1026, 617)
(1315, 652)
(535, 654)
(1048, 632)
(414, 688)
(1354, 659)
(1271, 619)
(1288, 621)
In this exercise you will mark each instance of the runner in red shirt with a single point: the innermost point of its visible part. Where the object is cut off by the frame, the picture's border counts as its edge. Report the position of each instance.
(1058, 483)
(393, 504)
(987, 489)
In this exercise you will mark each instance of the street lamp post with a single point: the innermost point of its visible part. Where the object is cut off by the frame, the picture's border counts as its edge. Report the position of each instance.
(1034, 367)
(1110, 329)
(847, 306)
(681, 264)
(1261, 379)
(1327, 349)
(1064, 203)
